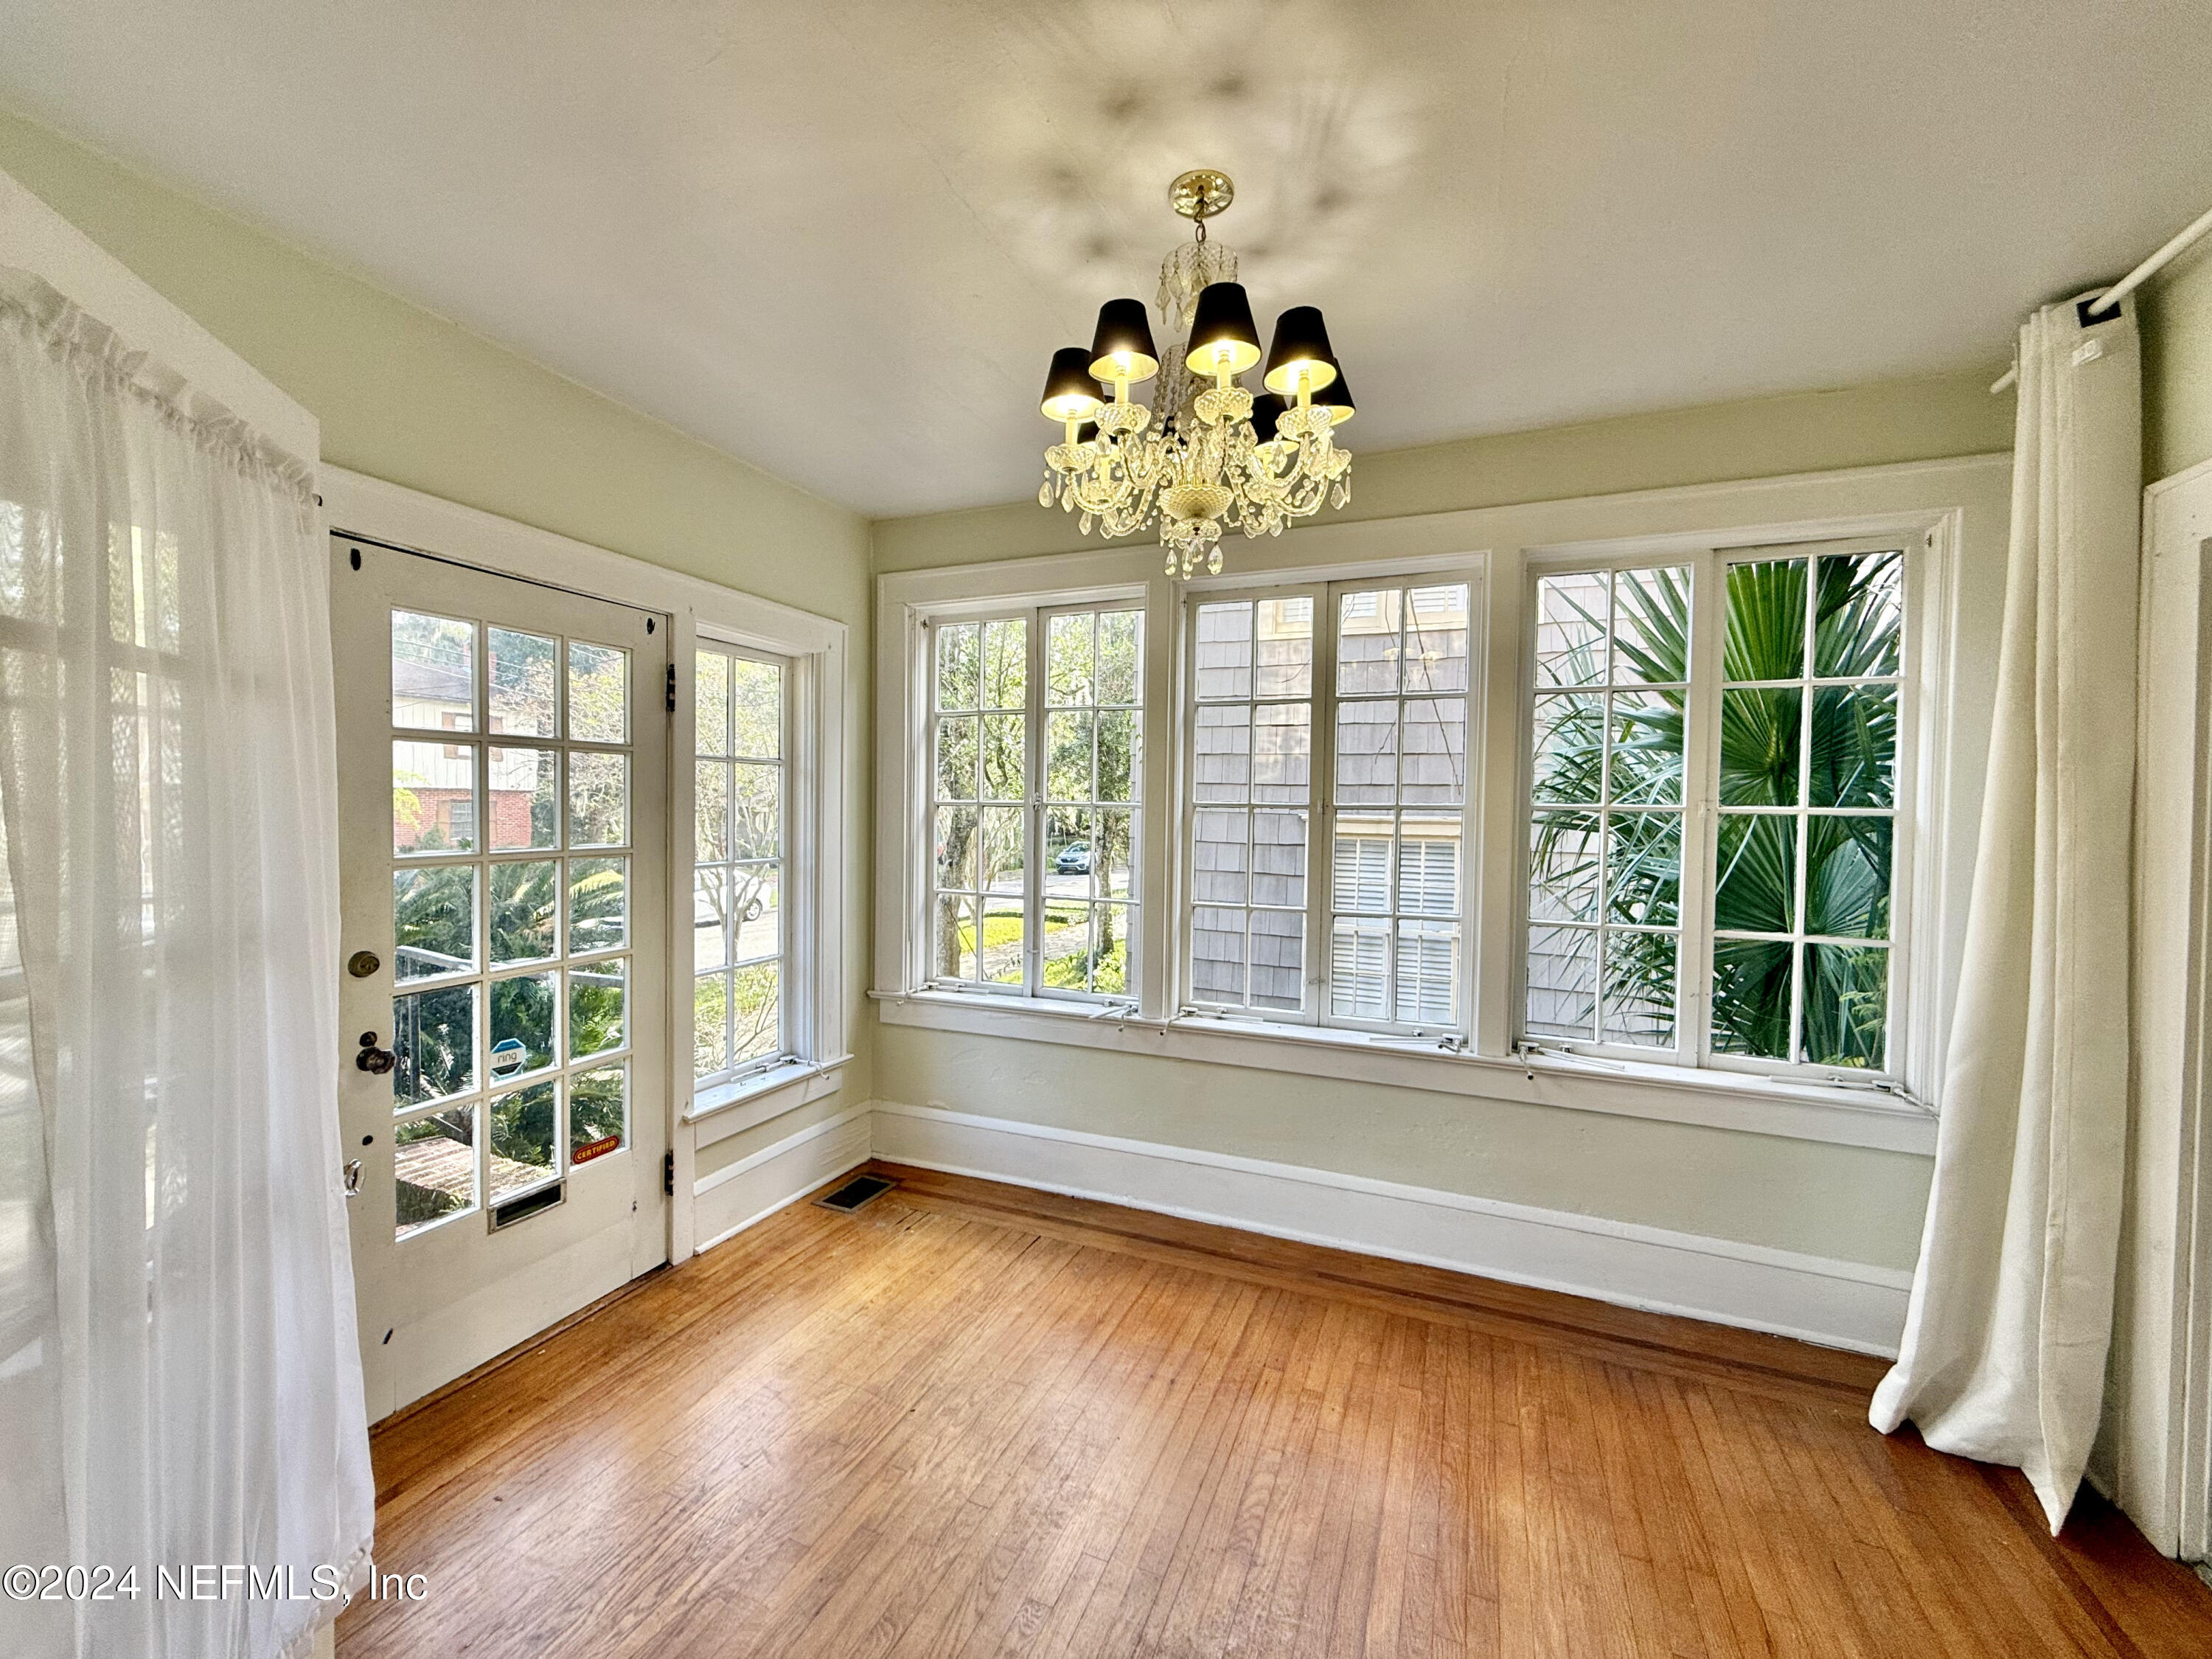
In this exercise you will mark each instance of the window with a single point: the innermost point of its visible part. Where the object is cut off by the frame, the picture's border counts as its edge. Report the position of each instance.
(1781, 716)
(740, 946)
(1037, 742)
(1330, 723)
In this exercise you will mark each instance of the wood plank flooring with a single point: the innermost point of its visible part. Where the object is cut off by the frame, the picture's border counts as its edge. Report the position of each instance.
(971, 1419)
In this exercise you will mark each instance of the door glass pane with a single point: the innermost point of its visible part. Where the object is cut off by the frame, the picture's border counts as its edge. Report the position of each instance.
(433, 1033)
(597, 1011)
(599, 800)
(432, 672)
(521, 1024)
(755, 1028)
(525, 901)
(522, 683)
(525, 1127)
(599, 1112)
(434, 921)
(435, 1162)
(434, 796)
(598, 903)
(521, 800)
(599, 693)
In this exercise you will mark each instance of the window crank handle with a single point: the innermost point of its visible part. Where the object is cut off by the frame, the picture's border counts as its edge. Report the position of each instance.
(372, 1059)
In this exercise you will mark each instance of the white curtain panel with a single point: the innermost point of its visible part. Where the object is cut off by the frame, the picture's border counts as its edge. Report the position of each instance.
(2005, 1343)
(179, 1380)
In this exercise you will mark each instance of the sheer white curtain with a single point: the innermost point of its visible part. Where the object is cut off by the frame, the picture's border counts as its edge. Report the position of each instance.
(2011, 1315)
(178, 1377)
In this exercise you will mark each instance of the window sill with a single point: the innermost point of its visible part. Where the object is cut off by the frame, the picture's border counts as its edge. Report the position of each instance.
(729, 1109)
(1724, 1100)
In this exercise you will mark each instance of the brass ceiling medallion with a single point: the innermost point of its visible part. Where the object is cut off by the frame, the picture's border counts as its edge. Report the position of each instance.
(1201, 193)
(1218, 457)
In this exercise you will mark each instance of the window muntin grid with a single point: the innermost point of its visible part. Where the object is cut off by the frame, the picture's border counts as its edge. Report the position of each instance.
(1398, 800)
(512, 1020)
(1605, 831)
(1794, 724)
(1805, 848)
(740, 862)
(1251, 792)
(1036, 752)
(1384, 717)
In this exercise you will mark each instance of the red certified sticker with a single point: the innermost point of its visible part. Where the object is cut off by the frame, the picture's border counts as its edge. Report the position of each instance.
(591, 1149)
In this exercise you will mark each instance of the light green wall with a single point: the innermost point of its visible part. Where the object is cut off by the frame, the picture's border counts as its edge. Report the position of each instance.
(1764, 438)
(2175, 312)
(1842, 1201)
(406, 396)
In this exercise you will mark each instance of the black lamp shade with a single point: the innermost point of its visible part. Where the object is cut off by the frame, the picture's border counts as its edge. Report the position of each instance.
(1070, 393)
(1122, 347)
(1267, 410)
(1336, 398)
(1300, 345)
(1221, 335)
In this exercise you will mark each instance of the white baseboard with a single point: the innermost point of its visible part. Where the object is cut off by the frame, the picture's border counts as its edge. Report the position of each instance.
(1839, 1304)
(739, 1194)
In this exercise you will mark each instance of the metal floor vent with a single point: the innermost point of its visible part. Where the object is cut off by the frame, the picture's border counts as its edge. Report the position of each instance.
(855, 1193)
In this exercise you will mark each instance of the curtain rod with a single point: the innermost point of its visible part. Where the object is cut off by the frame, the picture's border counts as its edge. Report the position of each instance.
(2111, 298)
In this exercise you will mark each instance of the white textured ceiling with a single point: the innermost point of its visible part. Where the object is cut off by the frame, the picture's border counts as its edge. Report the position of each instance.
(840, 238)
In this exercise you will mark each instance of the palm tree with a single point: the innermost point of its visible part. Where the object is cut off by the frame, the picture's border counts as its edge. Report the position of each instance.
(1853, 743)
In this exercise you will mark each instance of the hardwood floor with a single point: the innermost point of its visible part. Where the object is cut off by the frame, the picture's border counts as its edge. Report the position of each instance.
(975, 1420)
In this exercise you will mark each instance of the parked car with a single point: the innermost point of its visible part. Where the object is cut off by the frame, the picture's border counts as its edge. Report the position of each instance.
(1074, 859)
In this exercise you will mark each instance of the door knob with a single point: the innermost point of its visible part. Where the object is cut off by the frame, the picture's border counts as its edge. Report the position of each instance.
(353, 1177)
(372, 1059)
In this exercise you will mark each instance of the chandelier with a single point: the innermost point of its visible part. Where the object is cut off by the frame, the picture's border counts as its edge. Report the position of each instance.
(1218, 457)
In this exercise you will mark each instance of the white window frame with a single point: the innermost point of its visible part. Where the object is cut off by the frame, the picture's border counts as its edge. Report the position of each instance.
(1316, 1011)
(790, 982)
(1958, 506)
(814, 909)
(1709, 567)
(1037, 708)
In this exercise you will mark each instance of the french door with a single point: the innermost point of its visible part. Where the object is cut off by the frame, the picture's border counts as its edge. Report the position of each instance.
(502, 755)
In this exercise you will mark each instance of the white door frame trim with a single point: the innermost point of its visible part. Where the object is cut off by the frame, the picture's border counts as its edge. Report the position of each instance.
(2154, 1455)
(396, 516)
